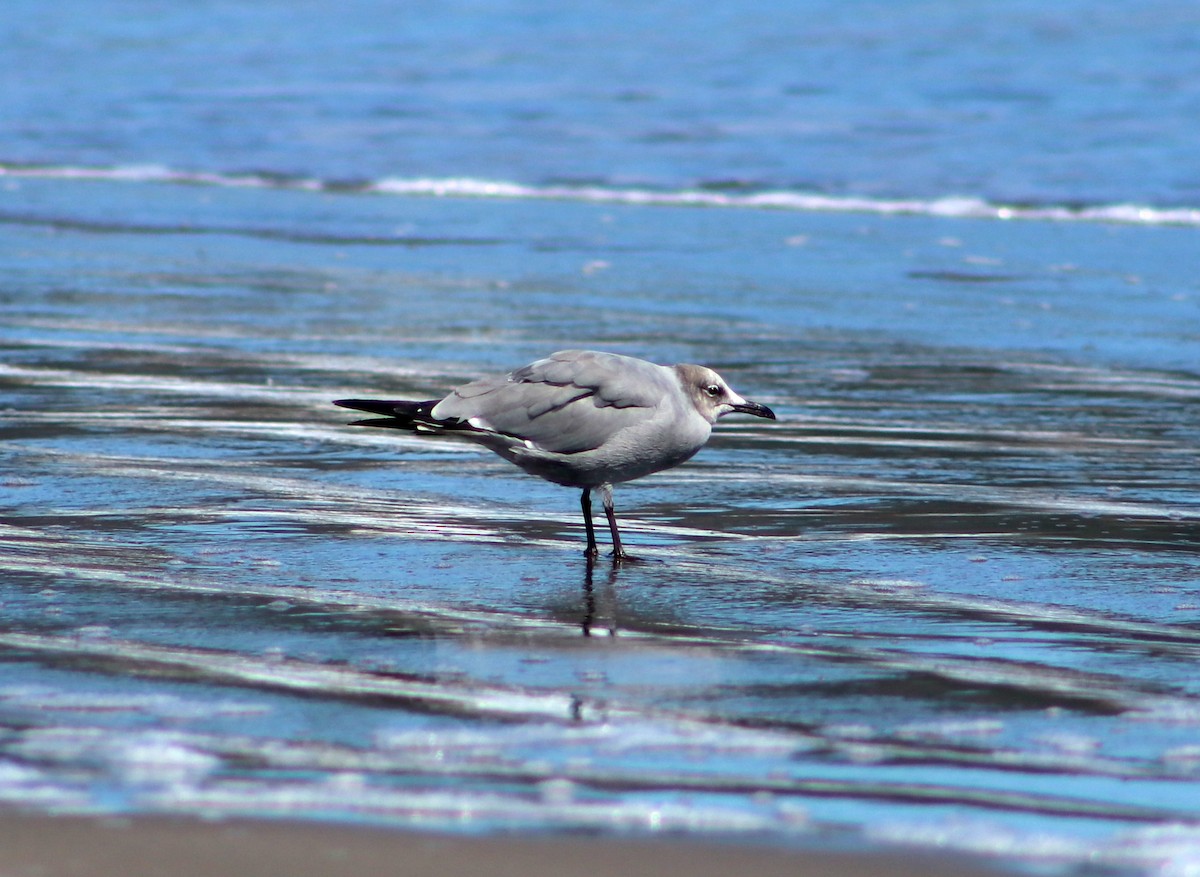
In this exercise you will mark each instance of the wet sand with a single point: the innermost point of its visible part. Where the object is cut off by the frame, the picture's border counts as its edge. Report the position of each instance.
(65, 846)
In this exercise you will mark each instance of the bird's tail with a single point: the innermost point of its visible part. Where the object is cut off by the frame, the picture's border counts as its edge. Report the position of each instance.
(399, 414)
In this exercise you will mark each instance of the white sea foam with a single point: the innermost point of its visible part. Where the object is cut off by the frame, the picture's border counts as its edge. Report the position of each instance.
(156, 758)
(950, 206)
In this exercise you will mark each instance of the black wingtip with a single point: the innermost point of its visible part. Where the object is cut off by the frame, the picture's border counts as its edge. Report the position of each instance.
(385, 422)
(394, 413)
(371, 406)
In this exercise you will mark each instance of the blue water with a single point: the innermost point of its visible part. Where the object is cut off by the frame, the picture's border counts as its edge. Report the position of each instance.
(1082, 103)
(951, 599)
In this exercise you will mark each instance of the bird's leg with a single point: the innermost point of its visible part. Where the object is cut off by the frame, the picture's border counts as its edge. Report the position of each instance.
(606, 497)
(586, 502)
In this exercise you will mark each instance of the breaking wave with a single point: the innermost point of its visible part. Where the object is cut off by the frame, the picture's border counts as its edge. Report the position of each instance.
(950, 206)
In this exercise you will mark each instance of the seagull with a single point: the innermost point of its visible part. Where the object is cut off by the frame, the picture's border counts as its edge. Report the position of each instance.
(580, 418)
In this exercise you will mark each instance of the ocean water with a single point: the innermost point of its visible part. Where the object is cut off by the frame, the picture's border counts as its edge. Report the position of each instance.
(951, 599)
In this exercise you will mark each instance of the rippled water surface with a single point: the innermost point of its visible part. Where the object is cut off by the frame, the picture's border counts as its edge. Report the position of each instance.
(951, 593)
(951, 598)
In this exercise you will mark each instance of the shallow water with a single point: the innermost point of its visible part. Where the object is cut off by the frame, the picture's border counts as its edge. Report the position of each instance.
(950, 599)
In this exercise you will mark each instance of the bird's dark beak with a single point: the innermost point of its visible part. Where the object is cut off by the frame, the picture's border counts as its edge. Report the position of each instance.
(755, 409)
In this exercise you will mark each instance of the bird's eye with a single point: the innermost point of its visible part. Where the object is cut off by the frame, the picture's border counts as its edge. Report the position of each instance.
(713, 391)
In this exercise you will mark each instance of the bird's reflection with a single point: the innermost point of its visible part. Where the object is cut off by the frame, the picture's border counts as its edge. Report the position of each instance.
(593, 617)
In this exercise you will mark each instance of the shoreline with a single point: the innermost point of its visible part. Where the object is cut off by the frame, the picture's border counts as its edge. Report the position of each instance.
(33, 845)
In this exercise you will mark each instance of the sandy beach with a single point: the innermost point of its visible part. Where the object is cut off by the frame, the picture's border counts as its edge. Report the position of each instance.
(67, 846)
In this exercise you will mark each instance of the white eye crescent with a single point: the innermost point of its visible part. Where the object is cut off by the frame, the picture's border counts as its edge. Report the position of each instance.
(713, 391)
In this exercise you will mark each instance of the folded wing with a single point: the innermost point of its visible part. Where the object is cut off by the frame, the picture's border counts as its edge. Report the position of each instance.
(572, 401)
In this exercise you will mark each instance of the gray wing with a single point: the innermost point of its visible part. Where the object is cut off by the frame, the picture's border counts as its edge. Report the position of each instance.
(569, 402)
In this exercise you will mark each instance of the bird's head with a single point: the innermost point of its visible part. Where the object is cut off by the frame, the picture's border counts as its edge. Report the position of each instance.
(712, 396)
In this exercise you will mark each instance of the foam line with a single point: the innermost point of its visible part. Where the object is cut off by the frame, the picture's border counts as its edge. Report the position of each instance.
(947, 206)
